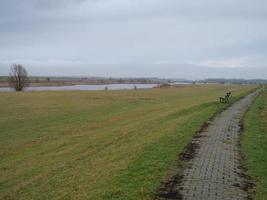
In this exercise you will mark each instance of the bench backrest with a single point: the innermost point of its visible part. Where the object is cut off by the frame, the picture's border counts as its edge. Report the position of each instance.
(227, 95)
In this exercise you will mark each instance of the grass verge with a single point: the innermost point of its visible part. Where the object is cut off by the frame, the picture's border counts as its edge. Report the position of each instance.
(254, 145)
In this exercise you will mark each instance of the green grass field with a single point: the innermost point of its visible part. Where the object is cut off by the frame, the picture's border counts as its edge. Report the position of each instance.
(254, 145)
(99, 144)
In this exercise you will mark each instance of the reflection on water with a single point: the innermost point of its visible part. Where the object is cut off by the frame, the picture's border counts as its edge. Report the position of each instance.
(86, 87)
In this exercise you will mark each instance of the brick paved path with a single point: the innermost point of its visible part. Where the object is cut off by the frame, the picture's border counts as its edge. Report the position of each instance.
(213, 172)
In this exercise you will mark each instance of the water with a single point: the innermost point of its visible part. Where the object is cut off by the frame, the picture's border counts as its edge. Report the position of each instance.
(85, 87)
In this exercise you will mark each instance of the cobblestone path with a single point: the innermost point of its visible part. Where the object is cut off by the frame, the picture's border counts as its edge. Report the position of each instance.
(214, 172)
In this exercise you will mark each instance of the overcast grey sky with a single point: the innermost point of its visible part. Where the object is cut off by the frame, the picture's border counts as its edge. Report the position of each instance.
(190, 39)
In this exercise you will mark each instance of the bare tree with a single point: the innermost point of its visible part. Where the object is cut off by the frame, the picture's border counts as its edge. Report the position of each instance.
(18, 77)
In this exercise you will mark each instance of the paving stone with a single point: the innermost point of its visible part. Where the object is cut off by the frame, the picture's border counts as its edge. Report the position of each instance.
(213, 172)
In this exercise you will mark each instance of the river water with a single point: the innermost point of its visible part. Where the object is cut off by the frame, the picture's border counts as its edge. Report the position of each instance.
(86, 87)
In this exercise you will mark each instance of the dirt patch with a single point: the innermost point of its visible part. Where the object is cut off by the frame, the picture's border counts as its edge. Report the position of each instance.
(248, 185)
(191, 148)
(170, 188)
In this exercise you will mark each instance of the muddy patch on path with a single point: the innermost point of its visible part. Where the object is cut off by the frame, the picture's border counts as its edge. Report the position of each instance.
(170, 188)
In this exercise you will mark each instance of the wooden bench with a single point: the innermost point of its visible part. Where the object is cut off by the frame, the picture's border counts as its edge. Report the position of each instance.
(225, 99)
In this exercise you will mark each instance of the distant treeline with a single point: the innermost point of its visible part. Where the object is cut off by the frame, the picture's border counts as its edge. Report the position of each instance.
(234, 81)
(58, 81)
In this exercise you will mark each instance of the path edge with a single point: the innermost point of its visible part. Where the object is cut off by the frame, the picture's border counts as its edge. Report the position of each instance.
(170, 188)
(249, 183)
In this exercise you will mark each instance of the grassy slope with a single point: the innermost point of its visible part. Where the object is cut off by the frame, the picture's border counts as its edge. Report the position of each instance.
(254, 144)
(98, 145)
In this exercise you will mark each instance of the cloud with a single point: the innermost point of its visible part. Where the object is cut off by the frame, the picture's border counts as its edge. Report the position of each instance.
(238, 62)
(128, 37)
